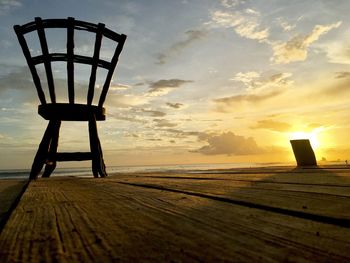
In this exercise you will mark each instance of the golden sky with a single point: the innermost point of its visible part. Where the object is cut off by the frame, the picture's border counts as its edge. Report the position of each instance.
(198, 81)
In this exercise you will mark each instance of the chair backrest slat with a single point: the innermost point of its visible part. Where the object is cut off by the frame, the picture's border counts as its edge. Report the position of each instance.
(70, 59)
(95, 61)
(30, 63)
(47, 62)
(114, 62)
(76, 59)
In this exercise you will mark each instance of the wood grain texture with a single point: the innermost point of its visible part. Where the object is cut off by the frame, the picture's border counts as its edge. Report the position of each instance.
(9, 192)
(106, 220)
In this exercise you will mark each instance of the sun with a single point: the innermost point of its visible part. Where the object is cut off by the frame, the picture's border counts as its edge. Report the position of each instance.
(312, 136)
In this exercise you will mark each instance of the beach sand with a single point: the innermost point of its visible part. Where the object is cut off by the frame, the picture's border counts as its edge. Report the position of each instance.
(245, 215)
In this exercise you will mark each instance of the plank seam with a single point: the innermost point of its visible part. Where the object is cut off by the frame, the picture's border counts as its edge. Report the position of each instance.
(342, 222)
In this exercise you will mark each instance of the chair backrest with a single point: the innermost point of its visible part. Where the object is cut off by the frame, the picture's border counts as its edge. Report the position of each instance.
(46, 57)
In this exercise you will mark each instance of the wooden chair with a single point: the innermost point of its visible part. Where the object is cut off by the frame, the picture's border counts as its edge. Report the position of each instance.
(69, 111)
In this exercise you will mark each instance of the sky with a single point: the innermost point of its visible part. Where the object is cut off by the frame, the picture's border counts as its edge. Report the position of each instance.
(198, 81)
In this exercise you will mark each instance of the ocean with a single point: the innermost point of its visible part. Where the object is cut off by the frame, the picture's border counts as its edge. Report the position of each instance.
(175, 168)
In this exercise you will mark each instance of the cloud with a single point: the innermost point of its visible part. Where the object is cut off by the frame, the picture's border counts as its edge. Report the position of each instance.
(341, 75)
(230, 144)
(118, 86)
(154, 140)
(287, 26)
(18, 82)
(18, 78)
(338, 52)
(258, 89)
(190, 37)
(154, 113)
(174, 105)
(227, 103)
(272, 125)
(336, 89)
(131, 135)
(162, 123)
(245, 23)
(255, 82)
(129, 118)
(164, 86)
(127, 100)
(182, 134)
(6, 5)
(231, 3)
(296, 49)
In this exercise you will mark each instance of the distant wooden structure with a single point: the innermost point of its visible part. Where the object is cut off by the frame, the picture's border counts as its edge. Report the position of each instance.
(70, 111)
(303, 152)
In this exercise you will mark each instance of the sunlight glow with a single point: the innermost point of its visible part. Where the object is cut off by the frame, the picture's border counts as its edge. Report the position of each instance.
(312, 136)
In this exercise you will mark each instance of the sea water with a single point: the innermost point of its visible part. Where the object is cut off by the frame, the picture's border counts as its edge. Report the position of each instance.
(174, 168)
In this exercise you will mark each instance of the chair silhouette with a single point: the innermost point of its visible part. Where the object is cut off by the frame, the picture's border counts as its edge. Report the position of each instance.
(69, 111)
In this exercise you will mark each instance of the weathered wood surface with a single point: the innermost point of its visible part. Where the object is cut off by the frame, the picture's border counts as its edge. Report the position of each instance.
(177, 217)
(9, 191)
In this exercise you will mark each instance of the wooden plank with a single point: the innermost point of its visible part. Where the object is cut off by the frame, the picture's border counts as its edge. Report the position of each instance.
(52, 155)
(331, 201)
(81, 220)
(43, 150)
(73, 156)
(9, 192)
(320, 177)
(98, 165)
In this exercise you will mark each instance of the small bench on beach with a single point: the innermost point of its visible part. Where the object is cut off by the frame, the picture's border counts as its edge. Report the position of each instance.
(70, 110)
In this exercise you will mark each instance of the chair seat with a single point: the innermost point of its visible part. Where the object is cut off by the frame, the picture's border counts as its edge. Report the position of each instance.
(71, 112)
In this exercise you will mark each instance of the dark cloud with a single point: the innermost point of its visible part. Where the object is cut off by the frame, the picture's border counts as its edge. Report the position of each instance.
(226, 103)
(162, 123)
(154, 140)
(272, 125)
(190, 37)
(164, 85)
(182, 134)
(19, 78)
(154, 113)
(130, 118)
(337, 89)
(174, 105)
(132, 135)
(341, 75)
(19, 82)
(230, 144)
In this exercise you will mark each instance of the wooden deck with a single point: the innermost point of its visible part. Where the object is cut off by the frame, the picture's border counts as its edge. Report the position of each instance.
(249, 215)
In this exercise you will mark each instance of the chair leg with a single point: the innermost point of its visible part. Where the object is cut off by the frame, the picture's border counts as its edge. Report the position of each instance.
(42, 153)
(98, 165)
(51, 160)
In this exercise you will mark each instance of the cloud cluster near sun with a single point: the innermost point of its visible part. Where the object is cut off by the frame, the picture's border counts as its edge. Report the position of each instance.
(230, 144)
